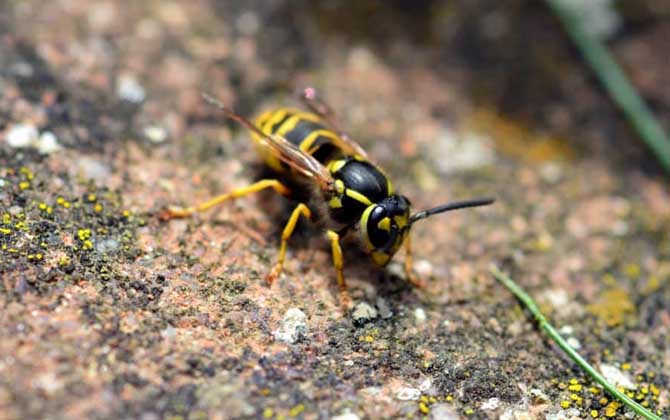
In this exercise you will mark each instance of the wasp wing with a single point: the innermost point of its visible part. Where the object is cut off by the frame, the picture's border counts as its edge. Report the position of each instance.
(317, 105)
(285, 150)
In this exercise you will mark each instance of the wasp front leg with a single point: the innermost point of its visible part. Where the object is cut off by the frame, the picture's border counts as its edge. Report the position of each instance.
(301, 209)
(409, 271)
(338, 262)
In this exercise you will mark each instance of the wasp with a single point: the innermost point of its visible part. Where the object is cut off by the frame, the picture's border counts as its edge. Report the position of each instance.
(337, 185)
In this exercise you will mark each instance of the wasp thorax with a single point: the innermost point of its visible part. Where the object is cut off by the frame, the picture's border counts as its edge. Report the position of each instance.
(383, 227)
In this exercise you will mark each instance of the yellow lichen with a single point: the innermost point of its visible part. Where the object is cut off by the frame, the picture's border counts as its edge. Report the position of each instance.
(297, 410)
(613, 307)
(611, 409)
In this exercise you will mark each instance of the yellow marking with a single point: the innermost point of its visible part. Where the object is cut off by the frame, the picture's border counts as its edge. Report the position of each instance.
(389, 185)
(357, 196)
(335, 203)
(401, 221)
(236, 193)
(301, 209)
(261, 119)
(294, 120)
(385, 224)
(339, 186)
(363, 226)
(277, 116)
(309, 140)
(380, 258)
(336, 165)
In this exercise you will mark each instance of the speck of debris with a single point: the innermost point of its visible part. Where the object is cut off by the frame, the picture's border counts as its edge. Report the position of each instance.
(22, 135)
(420, 315)
(130, 89)
(443, 411)
(155, 133)
(346, 415)
(574, 343)
(48, 143)
(408, 394)
(293, 326)
(616, 376)
(491, 404)
(385, 311)
(363, 313)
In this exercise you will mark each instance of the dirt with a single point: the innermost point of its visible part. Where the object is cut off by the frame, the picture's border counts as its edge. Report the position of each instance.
(109, 312)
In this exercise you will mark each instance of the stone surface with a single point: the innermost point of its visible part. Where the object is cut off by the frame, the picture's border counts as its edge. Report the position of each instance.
(107, 311)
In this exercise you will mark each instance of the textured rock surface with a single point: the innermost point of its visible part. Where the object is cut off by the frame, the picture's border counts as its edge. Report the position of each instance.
(108, 312)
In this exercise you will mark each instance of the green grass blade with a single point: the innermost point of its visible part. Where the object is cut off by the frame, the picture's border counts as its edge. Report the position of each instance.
(615, 82)
(556, 337)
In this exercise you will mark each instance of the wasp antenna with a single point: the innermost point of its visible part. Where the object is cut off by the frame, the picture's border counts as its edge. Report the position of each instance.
(230, 113)
(212, 100)
(451, 206)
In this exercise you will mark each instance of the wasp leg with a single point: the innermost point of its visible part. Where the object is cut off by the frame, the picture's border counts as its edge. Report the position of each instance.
(301, 209)
(416, 281)
(338, 262)
(176, 212)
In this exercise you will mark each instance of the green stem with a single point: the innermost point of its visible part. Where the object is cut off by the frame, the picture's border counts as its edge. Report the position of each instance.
(544, 324)
(615, 82)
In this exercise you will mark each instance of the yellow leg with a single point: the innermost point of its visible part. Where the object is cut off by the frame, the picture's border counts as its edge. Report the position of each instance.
(301, 209)
(176, 212)
(408, 264)
(338, 262)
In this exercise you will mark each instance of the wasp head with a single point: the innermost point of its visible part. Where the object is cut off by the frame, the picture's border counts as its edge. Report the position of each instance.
(384, 226)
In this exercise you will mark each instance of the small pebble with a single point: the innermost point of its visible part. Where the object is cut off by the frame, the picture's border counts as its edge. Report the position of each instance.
(491, 404)
(384, 309)
(22, 135)
(551, 172)
(293, 326)
(408, 394)
(107, 245)
(537, 396)
(423, 268)
(443, 411)
(94, 169)
(129, 89)
(155, 133)
(425, 385)
(616, 377)
(574, 343)
(363, 313)
(48, 143)
(420, 315)
(346, 415)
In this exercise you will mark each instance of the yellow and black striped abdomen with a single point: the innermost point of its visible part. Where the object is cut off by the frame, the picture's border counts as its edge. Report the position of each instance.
(303, 129)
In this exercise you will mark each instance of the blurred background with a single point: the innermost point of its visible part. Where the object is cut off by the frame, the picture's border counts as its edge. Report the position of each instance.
(109, 313)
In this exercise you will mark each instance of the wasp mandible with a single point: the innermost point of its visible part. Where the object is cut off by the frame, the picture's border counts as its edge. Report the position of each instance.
(338, 186)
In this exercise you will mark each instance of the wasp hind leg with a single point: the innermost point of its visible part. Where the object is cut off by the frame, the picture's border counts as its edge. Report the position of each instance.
(178, 212)
(338, 262)
(300, 210)
(409, 271)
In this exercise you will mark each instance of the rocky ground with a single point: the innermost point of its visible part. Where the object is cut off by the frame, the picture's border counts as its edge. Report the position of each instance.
(109, 312)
